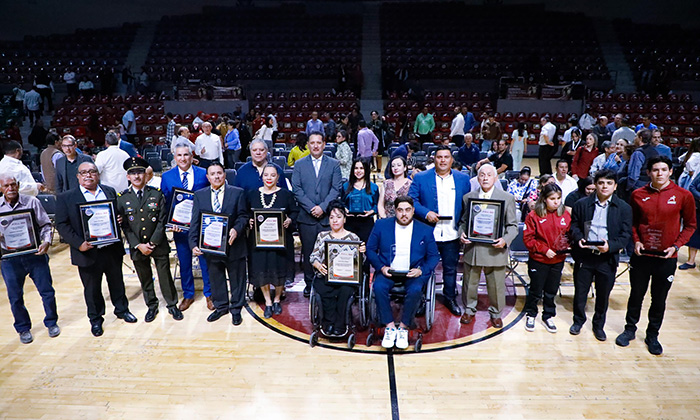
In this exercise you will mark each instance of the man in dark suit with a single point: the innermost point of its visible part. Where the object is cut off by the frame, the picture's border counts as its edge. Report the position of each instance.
(600, 217)
(127, 147)
(316, 181)
(229, 201)
(144, 215)
(67, 166)
(401, 245)
(93, 261)
(191, 178)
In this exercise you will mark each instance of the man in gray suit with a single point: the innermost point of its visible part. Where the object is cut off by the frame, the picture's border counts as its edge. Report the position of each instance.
(316, 181)
(67, 166)
(491, 258)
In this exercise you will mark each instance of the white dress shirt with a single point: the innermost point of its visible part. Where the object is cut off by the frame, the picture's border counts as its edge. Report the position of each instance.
(445, 229)
(457, 128)
(110, 164)
(155, 182)
(402, 257)
(317, 164)
(567, 186)
(15, 167)
(212, 147)
(190, 177)
(547, 130)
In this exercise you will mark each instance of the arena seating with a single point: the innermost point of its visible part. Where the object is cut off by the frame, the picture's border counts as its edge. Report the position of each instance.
(459, 41)
(85, 50)
(224, 45)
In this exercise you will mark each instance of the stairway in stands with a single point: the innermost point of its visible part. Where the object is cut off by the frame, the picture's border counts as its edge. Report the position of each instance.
(614, 56)
(139, 50)
(371, 97)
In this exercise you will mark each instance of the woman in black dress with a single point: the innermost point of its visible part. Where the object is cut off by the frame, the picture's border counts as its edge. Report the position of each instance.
(272, 266)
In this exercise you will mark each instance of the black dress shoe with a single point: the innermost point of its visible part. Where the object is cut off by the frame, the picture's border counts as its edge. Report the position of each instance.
(307, 291)
(276, 308)
(452, 306)
(268, 312)
(236, 319)
(599, 334)
(176, 313)
(215, 315)
(97, 330)
(128, 317)
(575, 329)
(151, 314)
(328, 331)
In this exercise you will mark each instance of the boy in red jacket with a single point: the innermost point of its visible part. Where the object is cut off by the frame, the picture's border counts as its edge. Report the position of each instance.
(663, 221)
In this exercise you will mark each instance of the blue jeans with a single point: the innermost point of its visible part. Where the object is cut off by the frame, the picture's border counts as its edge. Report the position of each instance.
(184, 254)
(14, 272)
(449, 253)
(414, 292)
(486, 145)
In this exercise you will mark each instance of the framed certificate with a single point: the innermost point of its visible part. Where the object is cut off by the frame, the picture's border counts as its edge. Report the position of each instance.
(344, 262)
(19, 233)
(269, 228)
(213, 234)
(180, 213)
(99, 222)
(651, 239)
(485, 223)
(355, 205)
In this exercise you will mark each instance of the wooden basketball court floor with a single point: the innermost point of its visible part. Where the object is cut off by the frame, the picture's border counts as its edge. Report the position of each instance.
(195, 369)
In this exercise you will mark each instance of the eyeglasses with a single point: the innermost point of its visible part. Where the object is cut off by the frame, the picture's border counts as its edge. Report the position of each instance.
(68, 145)
(88, 172)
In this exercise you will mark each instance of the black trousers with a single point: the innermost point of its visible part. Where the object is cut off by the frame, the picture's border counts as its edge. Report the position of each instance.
(643, 269)
(458, 140)
(362, 227)
(165, 279)
(589, 268)
(308, 234)
(424, 138)
(109, 264)
(545, 159)
(543, 278)
(218, 268)
(334, 300)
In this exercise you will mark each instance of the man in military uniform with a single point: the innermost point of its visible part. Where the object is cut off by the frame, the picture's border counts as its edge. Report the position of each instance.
(144, 215)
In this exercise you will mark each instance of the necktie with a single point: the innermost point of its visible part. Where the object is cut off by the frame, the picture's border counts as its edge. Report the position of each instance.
(185, 184)
(217, 204)
(317, 166)
(139, 194)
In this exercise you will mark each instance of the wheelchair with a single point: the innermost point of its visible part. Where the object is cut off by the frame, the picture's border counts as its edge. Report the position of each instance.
(426, 308)
(359, 298)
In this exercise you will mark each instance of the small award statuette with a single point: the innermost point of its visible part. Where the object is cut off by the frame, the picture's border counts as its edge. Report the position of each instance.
(561, 245)
(99, 222)
(485, 223)
(180, 214)
(344, 262)
(269, 228)
(213, 235)
(19, 234)
(651, 239)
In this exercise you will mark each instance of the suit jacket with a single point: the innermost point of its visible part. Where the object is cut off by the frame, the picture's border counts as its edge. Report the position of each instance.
(171, 179)
(234, 206)
(485, 255)
(144, 221)
(311, 191)
(128, 148)
(423, 190)
(424, 251)
(62, 173)
(619, 224)
(70, 227)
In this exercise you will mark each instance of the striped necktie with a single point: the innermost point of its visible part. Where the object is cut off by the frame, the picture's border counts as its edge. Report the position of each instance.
(185, 184)
(217, 203)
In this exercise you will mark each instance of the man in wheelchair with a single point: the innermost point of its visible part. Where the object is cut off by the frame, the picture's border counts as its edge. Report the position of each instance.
(401, 250)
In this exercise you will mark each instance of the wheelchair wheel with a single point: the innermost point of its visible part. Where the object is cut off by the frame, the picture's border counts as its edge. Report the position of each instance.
(313, 340)
(315, 309)
(419, 343)
(363, 303)
(372, 303)
(370, 338)
(351, 341)
(430, 303)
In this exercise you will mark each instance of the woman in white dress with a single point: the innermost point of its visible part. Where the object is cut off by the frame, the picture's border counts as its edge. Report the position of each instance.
(518, 145)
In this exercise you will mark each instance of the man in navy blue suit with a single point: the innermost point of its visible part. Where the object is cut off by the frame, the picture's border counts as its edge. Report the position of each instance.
(400, 249)
(437, 194)
(192, 178)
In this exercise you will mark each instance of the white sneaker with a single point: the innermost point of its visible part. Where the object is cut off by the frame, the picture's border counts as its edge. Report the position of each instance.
(402, 339)
(389, 338)
(530, 323)
(549, 325)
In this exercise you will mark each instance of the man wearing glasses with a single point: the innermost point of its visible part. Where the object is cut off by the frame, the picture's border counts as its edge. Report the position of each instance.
(93, 261)
(67, 166)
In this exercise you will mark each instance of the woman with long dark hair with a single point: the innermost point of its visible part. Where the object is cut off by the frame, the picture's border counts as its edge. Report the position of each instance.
(396, 185)
(299, 150)
(518, 145)
(690, 162)
(361, 197)
(343, 153)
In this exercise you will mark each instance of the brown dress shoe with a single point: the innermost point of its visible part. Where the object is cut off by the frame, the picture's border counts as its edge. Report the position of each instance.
(210, 304)
(497, 322)
(466, 318)
(186, 303)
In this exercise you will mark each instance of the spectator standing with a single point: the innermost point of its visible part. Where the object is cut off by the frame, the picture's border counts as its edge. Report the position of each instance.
(547, 146)
(329, 126)
(48, 159)
(367, 144)
(469, 120)
(299, 150)
(32, 104)
(208, 147)
(170, 129)
(86, 87)
(110, 164)
(314, 124)
(637, 176)
(518, 145)
(583, 159)
(624, 132)
(659, 145)
(11, 165)
(44, 86)
(343, 153)
(71, 82)
(600, 130)
(380, 128)
(457, 128)
(67, 165)
(129, 123)
(37, 137)
(424, 126)
(490, 132)
(562, 178)
(614, 125)
(233, 143)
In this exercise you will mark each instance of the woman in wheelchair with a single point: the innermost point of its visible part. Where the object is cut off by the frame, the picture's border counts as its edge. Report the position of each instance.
(334, 297)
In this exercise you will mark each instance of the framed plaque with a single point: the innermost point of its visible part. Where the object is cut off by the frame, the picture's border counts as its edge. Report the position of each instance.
(99, 222)
(651, 239)
(590, 238)
(180, 213)
(213, 234)
(19, 233)
(269, 228)
(355, 205)
(344, 262)
(485, 222)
